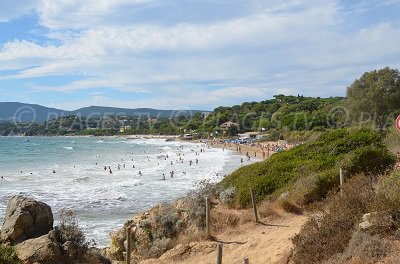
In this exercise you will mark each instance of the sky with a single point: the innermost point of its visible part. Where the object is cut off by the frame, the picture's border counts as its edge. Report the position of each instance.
(189, 54)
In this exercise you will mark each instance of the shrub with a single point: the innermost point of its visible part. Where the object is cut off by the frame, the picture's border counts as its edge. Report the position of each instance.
(227, 196)
(363, 248)
(69, 231)
(386, 205)
(8, 255)
(158, 247)
(328, 232)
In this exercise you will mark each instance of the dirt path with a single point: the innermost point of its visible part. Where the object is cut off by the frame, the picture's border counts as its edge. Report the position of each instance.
(261, 243)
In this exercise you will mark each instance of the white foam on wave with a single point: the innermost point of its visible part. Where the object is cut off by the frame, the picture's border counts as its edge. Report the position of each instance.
(69, 148)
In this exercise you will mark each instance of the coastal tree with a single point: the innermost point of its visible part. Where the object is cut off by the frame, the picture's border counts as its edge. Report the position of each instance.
(375, 97)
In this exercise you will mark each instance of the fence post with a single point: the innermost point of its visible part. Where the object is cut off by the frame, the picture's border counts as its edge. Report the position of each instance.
(208, 227)
(219, 253)
(253, 201)
(245, 260)
(341, 181)
(128, 246)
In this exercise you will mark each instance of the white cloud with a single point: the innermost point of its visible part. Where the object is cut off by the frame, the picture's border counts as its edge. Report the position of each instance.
(260, 49)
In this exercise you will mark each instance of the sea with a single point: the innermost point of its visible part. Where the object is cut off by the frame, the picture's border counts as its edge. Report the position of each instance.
(69, 173)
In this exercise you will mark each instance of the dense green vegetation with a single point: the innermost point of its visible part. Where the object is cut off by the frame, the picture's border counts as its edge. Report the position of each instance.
(375, 97)
(8, 255)
(314, 166)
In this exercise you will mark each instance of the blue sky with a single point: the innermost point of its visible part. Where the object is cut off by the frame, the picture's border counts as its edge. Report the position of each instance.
(198, 54)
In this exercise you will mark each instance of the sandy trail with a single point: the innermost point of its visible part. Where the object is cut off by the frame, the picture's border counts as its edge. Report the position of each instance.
(267, 242)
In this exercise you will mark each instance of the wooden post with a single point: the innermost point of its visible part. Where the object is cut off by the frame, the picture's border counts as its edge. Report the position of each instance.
(128, 246)
(253, 201)
(341, 181)
(219, 253)
(245, 260)
(208, 220)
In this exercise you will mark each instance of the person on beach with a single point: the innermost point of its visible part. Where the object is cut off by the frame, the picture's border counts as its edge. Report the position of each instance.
(241, 160)
(133, 166)
(140, 173)
(54, 171)
(171, 163)
(110, 171)
(197, 161)
(163, 177)
(172, 174)
(190, 162)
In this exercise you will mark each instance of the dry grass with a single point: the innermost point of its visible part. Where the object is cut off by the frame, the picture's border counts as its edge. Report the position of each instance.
(321, 238)
(269, 209)
(221, 220)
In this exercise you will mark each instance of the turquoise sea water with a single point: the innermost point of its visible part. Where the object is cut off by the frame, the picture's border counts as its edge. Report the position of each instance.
(104, 201)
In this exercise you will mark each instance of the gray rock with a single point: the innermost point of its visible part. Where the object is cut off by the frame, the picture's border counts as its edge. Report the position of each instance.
(25, 218)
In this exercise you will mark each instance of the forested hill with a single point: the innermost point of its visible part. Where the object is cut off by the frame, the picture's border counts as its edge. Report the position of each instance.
(21, 112)
(290, 112)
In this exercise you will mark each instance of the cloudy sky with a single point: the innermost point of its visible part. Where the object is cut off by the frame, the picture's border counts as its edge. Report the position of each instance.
(198, 54)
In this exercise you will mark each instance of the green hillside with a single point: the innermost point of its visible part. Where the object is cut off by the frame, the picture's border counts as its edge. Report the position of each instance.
(312, 169)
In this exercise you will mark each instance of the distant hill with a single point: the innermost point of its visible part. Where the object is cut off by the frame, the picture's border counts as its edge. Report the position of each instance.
(21, 112)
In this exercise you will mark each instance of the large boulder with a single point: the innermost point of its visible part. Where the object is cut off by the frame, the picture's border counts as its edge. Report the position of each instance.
(43, 250)
(25, 218)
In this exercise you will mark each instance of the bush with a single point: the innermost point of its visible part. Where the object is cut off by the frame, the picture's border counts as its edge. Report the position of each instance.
(227, 196)
(8, 255)
(361, 151)
(386, 205)
(329, 231)
(363, 248)
(70, 232)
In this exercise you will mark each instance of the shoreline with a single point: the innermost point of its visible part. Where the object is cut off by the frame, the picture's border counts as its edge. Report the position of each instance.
(228, 162)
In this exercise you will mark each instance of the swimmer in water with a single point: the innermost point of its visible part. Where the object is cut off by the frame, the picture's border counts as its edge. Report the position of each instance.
(54, 171)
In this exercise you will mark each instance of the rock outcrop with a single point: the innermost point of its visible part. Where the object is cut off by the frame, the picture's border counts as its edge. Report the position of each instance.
(155, 231)
(47, 249)
(44, 249)
(25, 218)
(29, 225)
